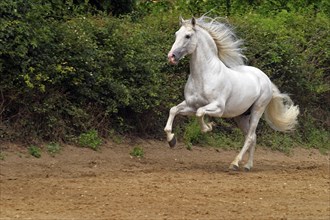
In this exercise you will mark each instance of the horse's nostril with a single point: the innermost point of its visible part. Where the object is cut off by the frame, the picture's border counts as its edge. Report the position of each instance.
(171, 55)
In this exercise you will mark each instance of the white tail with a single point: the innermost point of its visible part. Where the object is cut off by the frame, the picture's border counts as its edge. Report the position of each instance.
(281, 114)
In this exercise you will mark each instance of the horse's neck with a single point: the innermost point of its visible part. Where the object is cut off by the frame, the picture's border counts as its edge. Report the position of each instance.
(205, 60)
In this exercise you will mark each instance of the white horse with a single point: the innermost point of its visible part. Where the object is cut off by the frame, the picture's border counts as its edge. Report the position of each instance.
(220, 85)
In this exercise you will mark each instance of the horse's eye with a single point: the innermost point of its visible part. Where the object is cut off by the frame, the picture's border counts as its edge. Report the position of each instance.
(187, 36)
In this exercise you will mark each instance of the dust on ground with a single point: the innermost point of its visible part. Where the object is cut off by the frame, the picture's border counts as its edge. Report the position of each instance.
(177, 183)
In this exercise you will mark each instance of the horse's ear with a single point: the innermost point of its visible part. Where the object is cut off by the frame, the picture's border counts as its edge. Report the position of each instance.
(181, 20)
(193, 21)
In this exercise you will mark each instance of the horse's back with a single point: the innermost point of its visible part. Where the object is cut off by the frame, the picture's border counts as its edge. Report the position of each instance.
(255, 74)
(243, 69)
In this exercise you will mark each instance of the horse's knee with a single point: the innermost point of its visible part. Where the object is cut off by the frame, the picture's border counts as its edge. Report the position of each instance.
(173, 110)
(200, 112)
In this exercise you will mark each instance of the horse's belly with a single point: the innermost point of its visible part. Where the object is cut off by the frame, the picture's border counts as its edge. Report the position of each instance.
(232, 113)
(238, 106)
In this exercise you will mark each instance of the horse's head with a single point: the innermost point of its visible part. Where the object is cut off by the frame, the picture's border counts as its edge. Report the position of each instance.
(185, 41)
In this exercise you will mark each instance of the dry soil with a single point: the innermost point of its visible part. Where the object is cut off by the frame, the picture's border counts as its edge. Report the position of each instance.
(80, 183)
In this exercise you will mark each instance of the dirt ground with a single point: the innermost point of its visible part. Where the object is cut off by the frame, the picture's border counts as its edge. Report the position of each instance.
(79, 183)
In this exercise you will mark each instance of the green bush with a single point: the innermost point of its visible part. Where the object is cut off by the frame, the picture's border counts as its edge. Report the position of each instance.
(90, 139)
(192, 133)
(224, 135)
(67, 68)
(53, 148)
(80, 73)
(137, 152)
(34, 151)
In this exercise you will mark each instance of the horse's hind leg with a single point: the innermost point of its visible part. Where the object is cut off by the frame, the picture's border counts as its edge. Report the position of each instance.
(250, 140)
(248, 166)
(183, 109)
(243, 122)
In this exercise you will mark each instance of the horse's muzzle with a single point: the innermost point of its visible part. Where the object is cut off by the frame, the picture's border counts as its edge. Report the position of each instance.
(174, 56)
(172, 59)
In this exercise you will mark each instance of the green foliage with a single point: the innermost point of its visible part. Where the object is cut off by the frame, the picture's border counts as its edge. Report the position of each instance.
(192, 133)
(292, 45)
(319, 138)
(313, 136)
(53, 148)
(2, 156)
(118, 139)
(226, 136)
(80, 73)
(68, 67)
(278, 141)
(90, 139)
(137, 152)
(223, 135)
(35, 151)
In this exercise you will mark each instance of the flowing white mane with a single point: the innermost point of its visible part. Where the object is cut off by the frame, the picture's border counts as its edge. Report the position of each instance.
(229, 50)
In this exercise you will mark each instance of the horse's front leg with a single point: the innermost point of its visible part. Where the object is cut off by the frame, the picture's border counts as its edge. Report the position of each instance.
(205, 127)
(213, 109)
(182, 109)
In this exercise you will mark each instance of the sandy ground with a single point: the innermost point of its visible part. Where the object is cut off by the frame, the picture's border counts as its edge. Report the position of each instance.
(79, 183)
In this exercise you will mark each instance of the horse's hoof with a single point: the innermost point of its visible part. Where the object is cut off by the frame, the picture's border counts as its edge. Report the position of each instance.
(233, 167)
(172, 142)
(247, 169)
